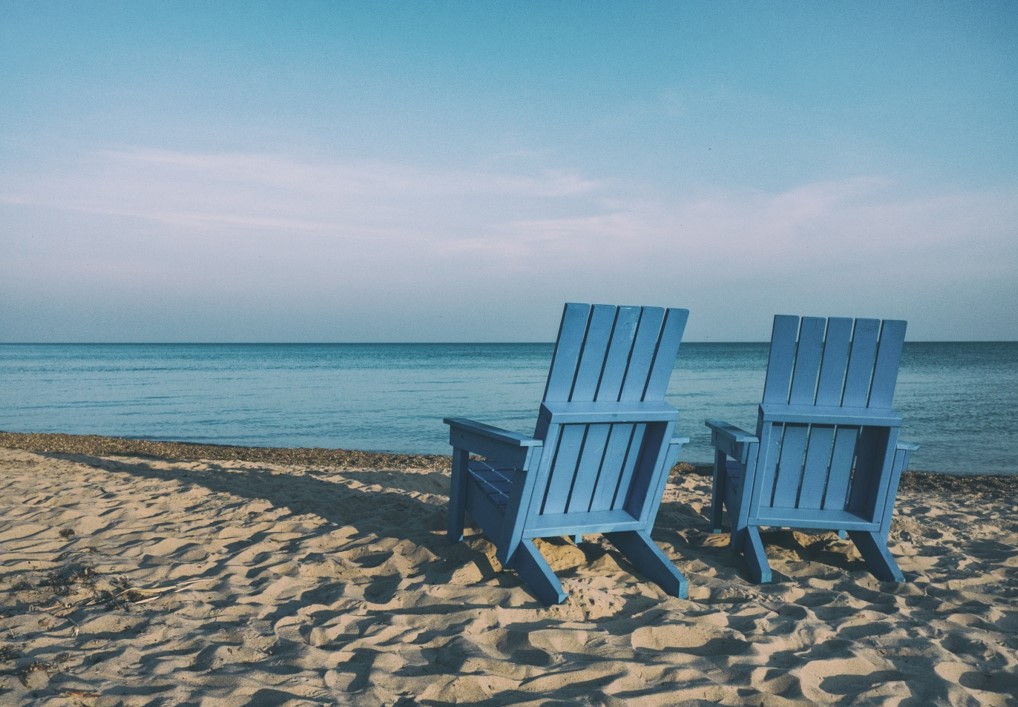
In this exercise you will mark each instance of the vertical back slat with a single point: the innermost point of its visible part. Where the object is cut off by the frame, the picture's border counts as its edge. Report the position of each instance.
(770, 443)
(870, 451)
(644, 347)
(842, 458)
(568, 347)
(835, 361)
(626, 475)
(789, 471)
(860, 363)
(617, 360)
(782, 356)
(807, 361)
(667, 350)
(885, 372)
(563, 472)
(595, 347)
(885, 483)
(612, 467)
(646, 465)
(588, 469)
(816, 467)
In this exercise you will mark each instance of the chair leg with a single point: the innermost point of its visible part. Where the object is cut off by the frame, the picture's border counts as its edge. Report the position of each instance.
(756, 558)
(873, 549)
(646, 556)
(536, 574)
(737, 540)
(457, 494)
(718, 492)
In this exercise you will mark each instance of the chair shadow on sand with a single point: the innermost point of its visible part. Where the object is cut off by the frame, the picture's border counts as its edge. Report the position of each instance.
(686, 529)
(383, 504)
(393, 504)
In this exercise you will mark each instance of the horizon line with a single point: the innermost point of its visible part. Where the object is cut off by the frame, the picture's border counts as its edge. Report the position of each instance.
(418, 343)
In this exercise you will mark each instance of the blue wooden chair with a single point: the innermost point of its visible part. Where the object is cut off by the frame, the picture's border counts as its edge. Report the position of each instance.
(826, 454)
(599, 458)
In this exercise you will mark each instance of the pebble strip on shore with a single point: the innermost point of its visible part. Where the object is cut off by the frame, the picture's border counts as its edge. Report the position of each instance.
(94, 445)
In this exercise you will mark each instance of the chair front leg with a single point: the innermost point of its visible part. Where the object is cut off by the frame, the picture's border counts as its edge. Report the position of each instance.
(756, 558)
(719, 491)
(458, 494)
(646, 556)
(534, 570)
(879, 560)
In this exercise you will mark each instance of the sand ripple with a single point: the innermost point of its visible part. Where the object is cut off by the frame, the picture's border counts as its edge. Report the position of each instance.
(143, 580)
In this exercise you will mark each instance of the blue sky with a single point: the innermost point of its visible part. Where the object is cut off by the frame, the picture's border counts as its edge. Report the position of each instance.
(455, 171)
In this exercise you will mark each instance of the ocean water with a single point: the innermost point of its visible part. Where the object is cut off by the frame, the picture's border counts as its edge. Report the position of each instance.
(959, 400)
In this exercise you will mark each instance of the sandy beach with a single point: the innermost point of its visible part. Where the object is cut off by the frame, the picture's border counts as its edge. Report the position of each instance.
(136, 573)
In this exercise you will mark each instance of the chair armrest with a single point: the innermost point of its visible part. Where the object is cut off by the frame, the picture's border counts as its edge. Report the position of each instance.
(730, 439)
(736, 435)
(490, 432)
(491, 442)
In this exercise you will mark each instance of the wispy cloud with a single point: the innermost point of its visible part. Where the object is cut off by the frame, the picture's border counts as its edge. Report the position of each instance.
(274, 193)
(248, 219)
(502, 212)
(364, 177)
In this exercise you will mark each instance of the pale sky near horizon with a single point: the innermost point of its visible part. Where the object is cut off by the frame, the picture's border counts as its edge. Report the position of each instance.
(455, 171)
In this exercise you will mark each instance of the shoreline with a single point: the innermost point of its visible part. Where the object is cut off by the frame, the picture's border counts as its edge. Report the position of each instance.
(100, 445)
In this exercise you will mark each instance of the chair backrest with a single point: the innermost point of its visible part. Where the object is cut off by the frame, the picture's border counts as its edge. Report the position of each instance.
(608, 353)
(609, 372)
(826, 427)
(833, 362)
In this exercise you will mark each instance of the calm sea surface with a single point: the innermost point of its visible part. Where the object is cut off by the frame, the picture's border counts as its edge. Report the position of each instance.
(959, 400)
